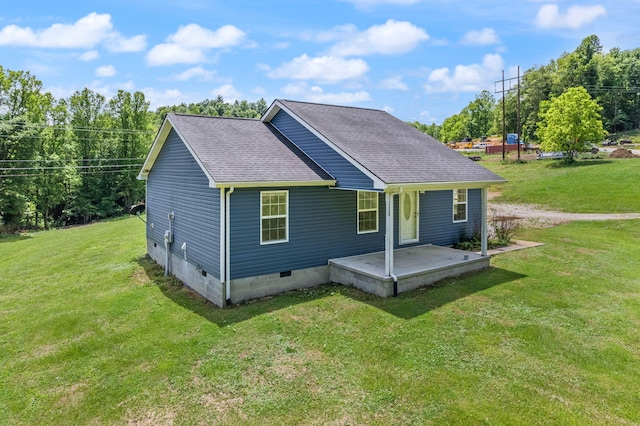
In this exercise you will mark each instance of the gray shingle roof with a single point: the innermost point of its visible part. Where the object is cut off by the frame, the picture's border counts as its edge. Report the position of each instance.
(391, 149)
(244, 150)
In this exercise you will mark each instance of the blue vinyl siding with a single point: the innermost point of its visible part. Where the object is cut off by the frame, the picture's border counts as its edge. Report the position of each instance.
(322, 226)
(436, 217)
(177, 184)
(346, 174)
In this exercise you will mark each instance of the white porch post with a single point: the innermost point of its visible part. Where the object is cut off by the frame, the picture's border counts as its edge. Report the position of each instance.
(388, 238)
(484, 221)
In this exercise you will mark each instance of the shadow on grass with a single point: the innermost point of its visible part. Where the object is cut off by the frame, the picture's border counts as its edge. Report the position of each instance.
(407, 305)
(183, 296)
(422, 300)
(11, 238)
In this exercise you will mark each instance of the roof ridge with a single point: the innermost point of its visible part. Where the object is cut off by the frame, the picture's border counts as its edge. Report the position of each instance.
(183, 114)
(333, 105)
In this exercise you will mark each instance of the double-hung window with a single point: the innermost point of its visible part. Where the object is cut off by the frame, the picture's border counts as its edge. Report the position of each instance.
(274, 217)
(459, 205)
(367, 212)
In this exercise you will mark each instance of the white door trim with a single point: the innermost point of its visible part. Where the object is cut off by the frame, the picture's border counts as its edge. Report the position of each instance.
(409, 220)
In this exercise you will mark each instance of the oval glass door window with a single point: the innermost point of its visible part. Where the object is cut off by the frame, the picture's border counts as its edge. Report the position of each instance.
(407, 206)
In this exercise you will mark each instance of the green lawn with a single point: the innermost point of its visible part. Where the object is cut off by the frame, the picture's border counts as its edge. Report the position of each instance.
(92, 333)
(588, 186)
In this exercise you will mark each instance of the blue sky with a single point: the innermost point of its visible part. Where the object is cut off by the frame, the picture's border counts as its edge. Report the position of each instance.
(418, 59)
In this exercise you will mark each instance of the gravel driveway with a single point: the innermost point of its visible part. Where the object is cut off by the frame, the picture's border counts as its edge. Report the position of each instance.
(536, 216)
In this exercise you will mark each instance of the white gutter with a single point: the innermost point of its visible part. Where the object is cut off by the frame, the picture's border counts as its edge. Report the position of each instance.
(227, 242)
(435, 186)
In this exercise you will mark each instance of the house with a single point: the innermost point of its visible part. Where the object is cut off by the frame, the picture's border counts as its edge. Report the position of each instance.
(308, 194)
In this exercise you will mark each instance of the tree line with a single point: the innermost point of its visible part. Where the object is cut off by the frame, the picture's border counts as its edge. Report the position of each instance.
(76, 159)
(612, 79)
(73, 160)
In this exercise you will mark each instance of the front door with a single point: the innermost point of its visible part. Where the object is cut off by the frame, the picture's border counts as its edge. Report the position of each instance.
(409, 217)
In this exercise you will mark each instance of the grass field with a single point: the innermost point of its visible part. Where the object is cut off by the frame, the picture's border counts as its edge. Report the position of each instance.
(587, 186)
(92, 333)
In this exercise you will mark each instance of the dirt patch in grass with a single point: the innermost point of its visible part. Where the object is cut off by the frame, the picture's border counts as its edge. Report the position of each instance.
(72, 395)
(152, 418)
(622, 153)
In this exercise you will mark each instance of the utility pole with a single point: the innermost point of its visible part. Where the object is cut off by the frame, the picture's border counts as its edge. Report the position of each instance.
(518, 116)
(504, 123)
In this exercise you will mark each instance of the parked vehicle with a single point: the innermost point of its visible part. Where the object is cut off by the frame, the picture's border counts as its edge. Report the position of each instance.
(609, 142)
(480, 145)
(550, 156)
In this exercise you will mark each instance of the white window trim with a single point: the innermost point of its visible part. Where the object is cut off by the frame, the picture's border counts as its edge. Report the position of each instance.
(286, 216)
(367, 210)
(466, 204)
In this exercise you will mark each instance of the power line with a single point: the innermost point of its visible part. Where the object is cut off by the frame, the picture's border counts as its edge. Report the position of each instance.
(80, 173)
(100, 166)
(72, 160)
(76, 128)
(48, 137)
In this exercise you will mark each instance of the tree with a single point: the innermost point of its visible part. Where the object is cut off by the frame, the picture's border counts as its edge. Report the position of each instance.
(51, 184)
(430, 129)
(455, 128)
(132, 137)
(569, 122)
(21, 123)
(480, 112)
(88, 119)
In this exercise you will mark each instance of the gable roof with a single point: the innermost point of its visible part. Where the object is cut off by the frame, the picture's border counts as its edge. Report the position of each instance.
(384, 146)
(239, 151)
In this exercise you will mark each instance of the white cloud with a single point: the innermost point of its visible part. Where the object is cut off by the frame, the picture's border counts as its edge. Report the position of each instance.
(195, 36)
(297, 89)
(394, 83)
(426, 117)
(302, 90)
(59, 92)
(365, 4)
(259, 90)
(85, 33)
(228, 93)
(484, 37)
(328, 69)
(89, 56)
(549, 16)
(317, 95)
(191, 43)
(169, 53)
(196, 72)
(392, 37)
(465, 78)
(110, 90)
(117, 43)
(158, 98)
(106, 71)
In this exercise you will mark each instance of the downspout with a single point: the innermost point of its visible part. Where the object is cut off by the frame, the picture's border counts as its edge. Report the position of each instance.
(223, 239)
(227, 242)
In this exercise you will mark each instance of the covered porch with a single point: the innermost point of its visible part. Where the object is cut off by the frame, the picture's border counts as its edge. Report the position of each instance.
(414, 267)
(397, 270)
